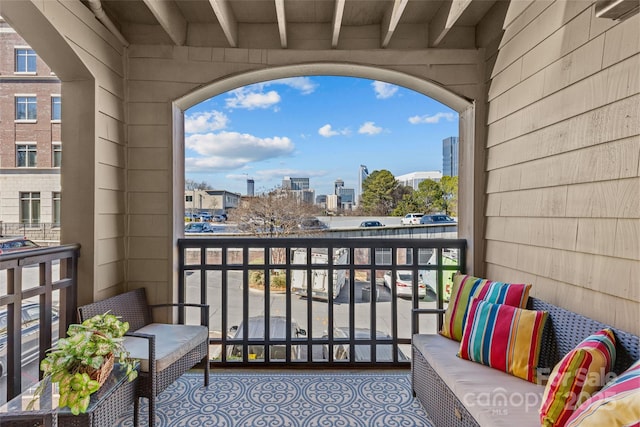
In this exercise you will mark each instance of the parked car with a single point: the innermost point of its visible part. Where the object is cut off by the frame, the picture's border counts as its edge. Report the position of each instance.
(411, 219)
(219, 218)
(198, 227)
(404, 284)
(362, 352)
(205, 216)
(15, 244)
(30, 334)
(277, 331)
(371, 224)
(437, 219)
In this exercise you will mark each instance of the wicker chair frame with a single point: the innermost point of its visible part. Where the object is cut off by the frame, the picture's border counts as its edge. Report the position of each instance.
(132, 307)
(563, 331)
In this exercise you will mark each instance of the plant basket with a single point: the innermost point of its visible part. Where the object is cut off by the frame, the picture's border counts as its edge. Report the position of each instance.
(101, 374)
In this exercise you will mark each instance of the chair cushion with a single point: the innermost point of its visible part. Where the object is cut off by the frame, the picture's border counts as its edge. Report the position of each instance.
(579, 374)
(616, 405)
(503, 337)
(172, 342)
(493, 398)
(466, 287)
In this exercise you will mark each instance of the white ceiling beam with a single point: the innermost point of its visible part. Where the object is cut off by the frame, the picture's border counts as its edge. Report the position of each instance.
(391, 19)
(338, 12)
(170, 19)
(282, 23)
(445, 19)
(226, 19)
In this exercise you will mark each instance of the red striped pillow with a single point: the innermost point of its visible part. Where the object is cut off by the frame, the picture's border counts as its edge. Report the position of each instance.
(579, 374)
(503, 337)
(616, 405)
(466, 287)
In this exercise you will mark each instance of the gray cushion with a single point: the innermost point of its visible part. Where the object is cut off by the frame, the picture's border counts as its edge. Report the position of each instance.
(492, 397)
(172, 342)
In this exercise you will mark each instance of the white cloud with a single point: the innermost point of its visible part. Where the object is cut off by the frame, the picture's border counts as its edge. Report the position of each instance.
(249, 98)
(231, 150)
(207, 121)
(304, 84)
(327, 131)
(384, 90)
(369, 128)
(432, 119)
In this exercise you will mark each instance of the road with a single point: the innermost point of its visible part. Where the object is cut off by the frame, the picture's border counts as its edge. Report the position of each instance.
(299, 308)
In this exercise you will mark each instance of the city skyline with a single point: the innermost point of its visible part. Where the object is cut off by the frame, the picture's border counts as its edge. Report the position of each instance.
(322, 128)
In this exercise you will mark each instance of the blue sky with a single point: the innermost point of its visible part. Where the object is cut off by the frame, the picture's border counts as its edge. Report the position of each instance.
(320, 127)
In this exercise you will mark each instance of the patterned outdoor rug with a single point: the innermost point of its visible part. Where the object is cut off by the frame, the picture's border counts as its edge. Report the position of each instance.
(288, 399)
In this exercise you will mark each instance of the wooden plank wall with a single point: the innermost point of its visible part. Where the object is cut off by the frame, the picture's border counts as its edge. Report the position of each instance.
(563, 159)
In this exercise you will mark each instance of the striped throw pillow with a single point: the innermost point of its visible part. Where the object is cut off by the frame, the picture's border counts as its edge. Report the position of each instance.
(579, 374)
(466, 287)
(504, 337)
(616, 405)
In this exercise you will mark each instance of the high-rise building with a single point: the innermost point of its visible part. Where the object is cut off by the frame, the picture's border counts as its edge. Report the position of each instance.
(363, 173)
(289, 183)
(30, 134)
(450, 156)
(251, 187)
(337, 186)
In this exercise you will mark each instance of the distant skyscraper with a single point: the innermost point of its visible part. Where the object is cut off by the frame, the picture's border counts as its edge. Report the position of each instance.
(450, 156)
(363, 173)
(289, 183)
(250, 187)
(337, 185)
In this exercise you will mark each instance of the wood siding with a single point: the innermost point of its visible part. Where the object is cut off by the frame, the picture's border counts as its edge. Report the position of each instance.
(563, 156)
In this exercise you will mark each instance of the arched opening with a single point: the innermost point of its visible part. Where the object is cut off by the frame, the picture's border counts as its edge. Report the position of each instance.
(468, 229)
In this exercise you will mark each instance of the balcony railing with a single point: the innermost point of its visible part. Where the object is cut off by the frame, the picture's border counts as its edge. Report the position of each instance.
(38, 289)
(357, 312)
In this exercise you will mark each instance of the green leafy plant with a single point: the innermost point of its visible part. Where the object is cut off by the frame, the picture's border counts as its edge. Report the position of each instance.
(87, 347)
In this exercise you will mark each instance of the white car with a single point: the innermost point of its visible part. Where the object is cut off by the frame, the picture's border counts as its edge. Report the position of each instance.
(411, 219)
(404, 283)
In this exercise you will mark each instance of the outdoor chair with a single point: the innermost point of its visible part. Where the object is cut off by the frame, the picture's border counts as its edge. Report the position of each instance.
(166, 351)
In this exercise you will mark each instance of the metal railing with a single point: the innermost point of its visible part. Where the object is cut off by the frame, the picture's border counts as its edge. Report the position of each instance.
(37, 231)
(358, 311)
(38, 289)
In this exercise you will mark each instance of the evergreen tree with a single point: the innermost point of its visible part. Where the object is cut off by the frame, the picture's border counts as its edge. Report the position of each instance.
(378, 193)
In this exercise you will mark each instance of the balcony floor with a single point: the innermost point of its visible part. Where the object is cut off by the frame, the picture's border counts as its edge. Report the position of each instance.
(288, 398)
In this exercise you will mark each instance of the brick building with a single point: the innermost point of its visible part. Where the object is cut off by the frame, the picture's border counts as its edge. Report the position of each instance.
(30, 135)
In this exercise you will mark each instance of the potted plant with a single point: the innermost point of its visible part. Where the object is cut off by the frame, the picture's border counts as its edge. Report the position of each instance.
(82, 362)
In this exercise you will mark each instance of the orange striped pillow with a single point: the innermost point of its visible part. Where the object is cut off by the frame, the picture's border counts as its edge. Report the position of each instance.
(466, 287)
(579, 374)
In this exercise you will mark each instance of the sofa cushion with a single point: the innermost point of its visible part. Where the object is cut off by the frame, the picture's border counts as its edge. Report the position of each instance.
(172, 342)
(466, 287)
(616, 405)
(579, 374)
(493, 398)
(503, 337)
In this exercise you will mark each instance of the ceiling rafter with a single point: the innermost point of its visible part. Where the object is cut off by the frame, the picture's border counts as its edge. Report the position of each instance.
(338, 12)
(391, 20)
(226, 19)
(282, 23)
(170, 19)
(447, 16)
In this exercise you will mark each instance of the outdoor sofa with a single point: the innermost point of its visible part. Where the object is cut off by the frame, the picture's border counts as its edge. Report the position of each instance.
(457, 392)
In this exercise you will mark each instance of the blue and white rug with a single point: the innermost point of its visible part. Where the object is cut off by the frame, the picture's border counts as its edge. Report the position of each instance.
(287, 399)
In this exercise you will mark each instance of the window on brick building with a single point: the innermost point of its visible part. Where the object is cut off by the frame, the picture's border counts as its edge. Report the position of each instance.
(56, 152)
(55, 198)
(26, 107)
(26, 155)
(56, 108)
(25, 60)
(30, 208)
